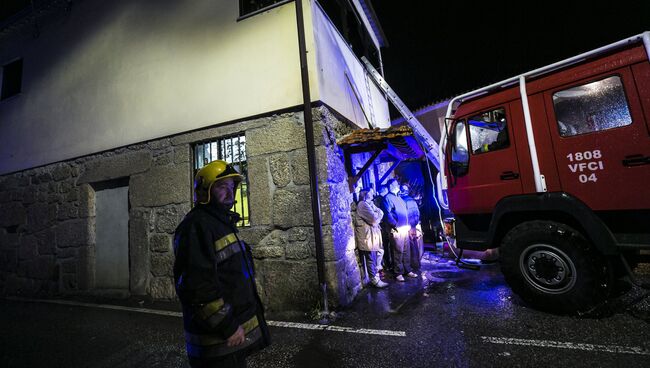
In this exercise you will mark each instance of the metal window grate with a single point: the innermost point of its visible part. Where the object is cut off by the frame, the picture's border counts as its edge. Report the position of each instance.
(232, 150)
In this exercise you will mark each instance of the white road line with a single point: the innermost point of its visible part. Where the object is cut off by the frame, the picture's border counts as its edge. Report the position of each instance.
(312, 326)
(567, 345)
(103, 306)
(302, 326)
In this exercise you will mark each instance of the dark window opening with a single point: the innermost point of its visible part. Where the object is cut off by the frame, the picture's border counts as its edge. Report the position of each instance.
(13, 229)
(12, 76)
(252, 6)
(11, 8)
(348, 22)
(232, 150)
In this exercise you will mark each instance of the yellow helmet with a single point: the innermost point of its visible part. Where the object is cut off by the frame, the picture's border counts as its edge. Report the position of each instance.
(211, 173)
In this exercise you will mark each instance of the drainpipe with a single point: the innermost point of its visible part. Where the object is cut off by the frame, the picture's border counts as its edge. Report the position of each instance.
(311, 156)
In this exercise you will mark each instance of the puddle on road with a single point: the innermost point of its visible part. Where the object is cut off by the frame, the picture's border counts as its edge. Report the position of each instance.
(484, 288)
(447, 275)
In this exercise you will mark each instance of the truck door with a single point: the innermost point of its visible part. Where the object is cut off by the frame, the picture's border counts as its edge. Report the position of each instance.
(601, 141)
(484, 141)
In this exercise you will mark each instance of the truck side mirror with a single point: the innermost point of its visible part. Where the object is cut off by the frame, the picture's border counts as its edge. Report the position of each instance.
(459, 163)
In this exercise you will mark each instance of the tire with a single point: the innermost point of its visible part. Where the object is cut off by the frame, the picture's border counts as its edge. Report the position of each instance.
(554, 268)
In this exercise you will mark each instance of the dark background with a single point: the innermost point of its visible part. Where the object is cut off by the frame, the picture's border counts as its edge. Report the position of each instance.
(440, 49)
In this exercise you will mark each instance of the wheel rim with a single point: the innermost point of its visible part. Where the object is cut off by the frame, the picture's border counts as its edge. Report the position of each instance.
(547, 268)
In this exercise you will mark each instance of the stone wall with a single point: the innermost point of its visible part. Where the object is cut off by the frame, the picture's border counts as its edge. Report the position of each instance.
(47, 229)
(282, 233)
(47, 215)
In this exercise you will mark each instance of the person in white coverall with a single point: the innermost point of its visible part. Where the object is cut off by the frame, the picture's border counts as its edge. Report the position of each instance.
(368, 234)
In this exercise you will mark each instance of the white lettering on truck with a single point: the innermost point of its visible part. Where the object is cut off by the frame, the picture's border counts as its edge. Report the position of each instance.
(584, 168)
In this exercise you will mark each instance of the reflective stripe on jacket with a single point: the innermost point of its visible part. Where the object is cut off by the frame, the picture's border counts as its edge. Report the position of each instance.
(211, 346)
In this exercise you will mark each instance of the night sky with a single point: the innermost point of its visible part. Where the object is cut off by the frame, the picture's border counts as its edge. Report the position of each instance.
(438, 49)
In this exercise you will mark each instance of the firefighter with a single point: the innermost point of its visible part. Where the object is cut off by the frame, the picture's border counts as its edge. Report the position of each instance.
(214, 277)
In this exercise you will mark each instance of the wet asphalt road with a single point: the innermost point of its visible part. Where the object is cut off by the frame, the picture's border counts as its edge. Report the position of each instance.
(449, 318)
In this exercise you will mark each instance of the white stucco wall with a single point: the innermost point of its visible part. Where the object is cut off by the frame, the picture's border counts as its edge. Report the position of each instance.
(335, 59)
(110, 74)
(113, 73)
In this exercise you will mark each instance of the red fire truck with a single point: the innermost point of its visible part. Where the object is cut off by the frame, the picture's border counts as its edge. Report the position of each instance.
(553, 168)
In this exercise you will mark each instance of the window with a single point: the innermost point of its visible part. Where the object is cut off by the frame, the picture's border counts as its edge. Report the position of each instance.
(591, 107)
(232, 150)
(251, 7)
(12, 76)
(347, 21)
(489, 131)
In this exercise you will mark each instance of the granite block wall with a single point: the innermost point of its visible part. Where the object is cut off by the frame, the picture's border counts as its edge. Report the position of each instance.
(47, 214)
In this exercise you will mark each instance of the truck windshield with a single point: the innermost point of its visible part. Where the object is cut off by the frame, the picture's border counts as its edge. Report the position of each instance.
(489, 131)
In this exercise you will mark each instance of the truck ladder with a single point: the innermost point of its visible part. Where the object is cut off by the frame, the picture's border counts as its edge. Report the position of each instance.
(429, 145)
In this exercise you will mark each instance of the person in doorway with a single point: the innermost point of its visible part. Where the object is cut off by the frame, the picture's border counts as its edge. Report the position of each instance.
(385, 256)
(397, 218)
(368, 235)
(223, 316)
(416, 245)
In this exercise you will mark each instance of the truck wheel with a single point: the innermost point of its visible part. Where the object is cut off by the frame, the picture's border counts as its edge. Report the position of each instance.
(553, 267)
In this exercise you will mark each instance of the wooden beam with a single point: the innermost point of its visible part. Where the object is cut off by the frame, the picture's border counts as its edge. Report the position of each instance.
(348, 163)
(390, 170)
(352, 181)
(370, 147)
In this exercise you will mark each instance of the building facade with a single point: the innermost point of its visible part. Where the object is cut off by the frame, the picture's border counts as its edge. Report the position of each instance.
(119, 103)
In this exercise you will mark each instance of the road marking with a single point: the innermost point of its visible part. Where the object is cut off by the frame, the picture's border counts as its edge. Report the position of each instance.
(567, 345)
(312, 326)
(302, 326)
(103, 306)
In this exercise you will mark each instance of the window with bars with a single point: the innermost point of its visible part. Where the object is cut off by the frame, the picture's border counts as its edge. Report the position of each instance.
(232, 150)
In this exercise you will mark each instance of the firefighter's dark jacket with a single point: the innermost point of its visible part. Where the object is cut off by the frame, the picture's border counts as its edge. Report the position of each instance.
(214, 279)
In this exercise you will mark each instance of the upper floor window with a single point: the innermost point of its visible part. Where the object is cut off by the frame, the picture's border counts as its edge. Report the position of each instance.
(233, 151)
(591, 107)
(489, 131)
(12, 77)
(346, 19)
(253, 6)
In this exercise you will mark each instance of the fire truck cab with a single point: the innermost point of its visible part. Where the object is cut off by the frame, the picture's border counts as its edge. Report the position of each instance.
(553, 168)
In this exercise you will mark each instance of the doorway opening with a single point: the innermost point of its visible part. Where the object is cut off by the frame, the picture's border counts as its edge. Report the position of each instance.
(112, 235)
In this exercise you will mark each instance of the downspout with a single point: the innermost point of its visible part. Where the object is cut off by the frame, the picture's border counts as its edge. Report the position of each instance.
(311, 156)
